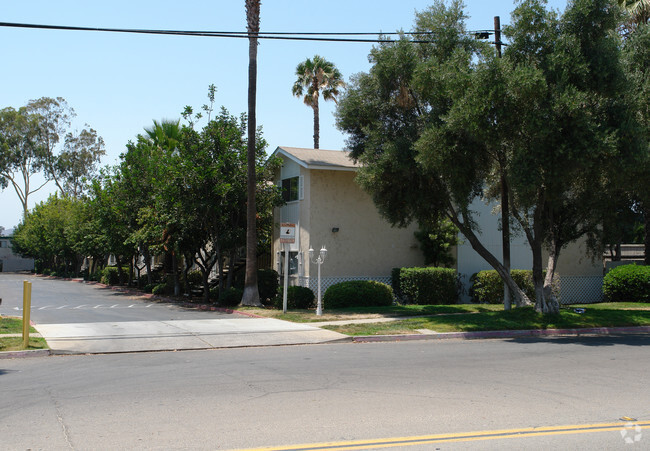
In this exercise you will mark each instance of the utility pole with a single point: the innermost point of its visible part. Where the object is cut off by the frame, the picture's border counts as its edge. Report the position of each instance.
(505, 205)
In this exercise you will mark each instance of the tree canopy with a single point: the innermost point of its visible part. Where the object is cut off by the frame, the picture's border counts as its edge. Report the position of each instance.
(436, 126)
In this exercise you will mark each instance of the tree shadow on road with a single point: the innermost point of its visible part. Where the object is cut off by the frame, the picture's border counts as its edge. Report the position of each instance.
(589, 340)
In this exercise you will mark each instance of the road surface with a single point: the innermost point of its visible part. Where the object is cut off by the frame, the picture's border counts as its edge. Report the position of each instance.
(549, 393)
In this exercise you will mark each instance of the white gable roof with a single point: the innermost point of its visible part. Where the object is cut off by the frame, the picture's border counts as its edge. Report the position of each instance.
(334, 160)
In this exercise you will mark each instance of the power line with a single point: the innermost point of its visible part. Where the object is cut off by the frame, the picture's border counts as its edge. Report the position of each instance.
(293, 36)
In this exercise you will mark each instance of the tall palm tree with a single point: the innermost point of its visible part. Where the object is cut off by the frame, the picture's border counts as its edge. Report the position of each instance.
(315, 76)
(639, 11)
(251, 294)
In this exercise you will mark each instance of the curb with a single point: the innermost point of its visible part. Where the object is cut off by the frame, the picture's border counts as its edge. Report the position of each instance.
(26, 353)
(504, 334)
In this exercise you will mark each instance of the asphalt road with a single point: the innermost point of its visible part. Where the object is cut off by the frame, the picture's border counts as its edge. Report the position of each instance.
(391, 392)
(59, 301)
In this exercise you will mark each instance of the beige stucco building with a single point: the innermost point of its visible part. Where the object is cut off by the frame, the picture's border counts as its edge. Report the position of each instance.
(330, 209)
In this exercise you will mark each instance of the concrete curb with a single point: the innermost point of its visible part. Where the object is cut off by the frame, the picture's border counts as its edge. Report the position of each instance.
(26, 353)
(505, 334)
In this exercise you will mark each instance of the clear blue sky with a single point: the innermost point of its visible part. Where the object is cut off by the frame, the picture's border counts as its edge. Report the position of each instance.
(119, 83)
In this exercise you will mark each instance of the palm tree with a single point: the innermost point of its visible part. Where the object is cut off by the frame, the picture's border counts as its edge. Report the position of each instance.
(315, 76)
(251, 294)
(639, 11)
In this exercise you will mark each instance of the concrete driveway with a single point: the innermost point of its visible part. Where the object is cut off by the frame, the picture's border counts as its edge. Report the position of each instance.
(80, 318)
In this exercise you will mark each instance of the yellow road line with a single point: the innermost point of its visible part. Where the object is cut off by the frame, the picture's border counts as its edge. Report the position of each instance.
(456, 437)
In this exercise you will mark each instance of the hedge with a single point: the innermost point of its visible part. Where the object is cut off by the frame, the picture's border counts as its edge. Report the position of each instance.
(487, 286)
(627, 283)
(230, 297)
(297, 298)
(429, 286)
(268, 282)
(358, 293)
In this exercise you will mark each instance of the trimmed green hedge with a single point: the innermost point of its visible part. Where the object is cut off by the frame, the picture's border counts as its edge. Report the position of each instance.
(487, 286)
(429, 286)
(268, 283)
(230, 297)
(627, 283)
(297, 298)
(110, 276)
(358, 293)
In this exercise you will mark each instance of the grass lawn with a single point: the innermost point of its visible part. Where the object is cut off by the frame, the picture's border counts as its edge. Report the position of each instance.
(307, 316)
(469, 317)
(15, 326)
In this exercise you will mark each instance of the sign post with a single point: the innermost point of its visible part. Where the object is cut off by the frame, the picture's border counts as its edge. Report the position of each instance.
(287, 237)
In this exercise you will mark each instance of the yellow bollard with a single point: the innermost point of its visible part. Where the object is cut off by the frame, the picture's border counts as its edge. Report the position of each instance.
(27, 307)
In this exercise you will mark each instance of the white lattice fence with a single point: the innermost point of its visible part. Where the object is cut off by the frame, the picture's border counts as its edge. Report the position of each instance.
(581, 289)
(327, 282)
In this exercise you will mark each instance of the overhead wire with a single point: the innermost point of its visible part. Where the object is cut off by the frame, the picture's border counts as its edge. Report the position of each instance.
(294, 36)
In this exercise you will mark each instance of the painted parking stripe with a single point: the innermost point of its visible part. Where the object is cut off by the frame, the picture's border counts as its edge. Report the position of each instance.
(457, 437)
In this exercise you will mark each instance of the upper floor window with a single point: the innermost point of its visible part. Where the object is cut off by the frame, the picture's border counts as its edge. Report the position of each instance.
(291, 189)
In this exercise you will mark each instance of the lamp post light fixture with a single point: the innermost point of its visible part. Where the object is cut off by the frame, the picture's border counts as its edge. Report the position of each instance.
(319, 261)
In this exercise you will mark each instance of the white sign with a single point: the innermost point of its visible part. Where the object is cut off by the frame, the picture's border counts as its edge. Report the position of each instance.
(287, 233)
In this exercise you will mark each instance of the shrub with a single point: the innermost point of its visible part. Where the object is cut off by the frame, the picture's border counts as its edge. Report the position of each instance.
(268, 282)
(487, 286)
(297, 298)
(161, 289)
(395, 279)
(429, 286)
(230, 297)
(110, 276)
(194, 278)
(149, 288)
(358, 293)
(627, 283)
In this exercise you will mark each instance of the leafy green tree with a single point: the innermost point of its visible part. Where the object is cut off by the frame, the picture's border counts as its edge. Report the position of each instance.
(636, 53)
(251, 294)
(416, 163)
(315, 76)
(22, 155)
(436, 241)
(437, 125)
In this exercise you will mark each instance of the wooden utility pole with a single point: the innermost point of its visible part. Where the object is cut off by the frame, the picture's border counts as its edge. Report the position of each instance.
(505, 205)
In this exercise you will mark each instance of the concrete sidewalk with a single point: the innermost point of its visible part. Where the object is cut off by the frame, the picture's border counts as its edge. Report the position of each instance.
(137, 336)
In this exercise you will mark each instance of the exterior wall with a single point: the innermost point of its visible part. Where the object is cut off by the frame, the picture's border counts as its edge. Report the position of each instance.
(9, 262)
(575, 267)
(365, 244)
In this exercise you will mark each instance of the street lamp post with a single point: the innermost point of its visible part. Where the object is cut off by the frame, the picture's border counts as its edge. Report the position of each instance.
(319, 261)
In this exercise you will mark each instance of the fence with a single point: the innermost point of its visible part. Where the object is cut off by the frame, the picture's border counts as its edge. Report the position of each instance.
(581, 289)
(573, 289)
(326, 282)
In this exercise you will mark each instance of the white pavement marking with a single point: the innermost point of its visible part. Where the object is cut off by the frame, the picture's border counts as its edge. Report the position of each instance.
(98, 305)
(150, 305)
(63, 306)
(113, 306)
(131, 306)
(79, 306)
(45, 306)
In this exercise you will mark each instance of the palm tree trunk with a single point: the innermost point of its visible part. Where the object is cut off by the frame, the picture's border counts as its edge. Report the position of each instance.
(251, 294)
(316, 125)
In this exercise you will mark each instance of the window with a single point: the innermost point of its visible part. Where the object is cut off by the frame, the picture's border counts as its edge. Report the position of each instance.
(290, 189)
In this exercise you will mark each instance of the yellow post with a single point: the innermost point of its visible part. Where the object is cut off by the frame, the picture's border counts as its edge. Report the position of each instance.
(27, 307)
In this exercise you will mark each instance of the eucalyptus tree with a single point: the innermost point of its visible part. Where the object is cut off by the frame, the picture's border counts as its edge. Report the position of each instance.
(22, 155)
(251, 294)
(315, 76)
